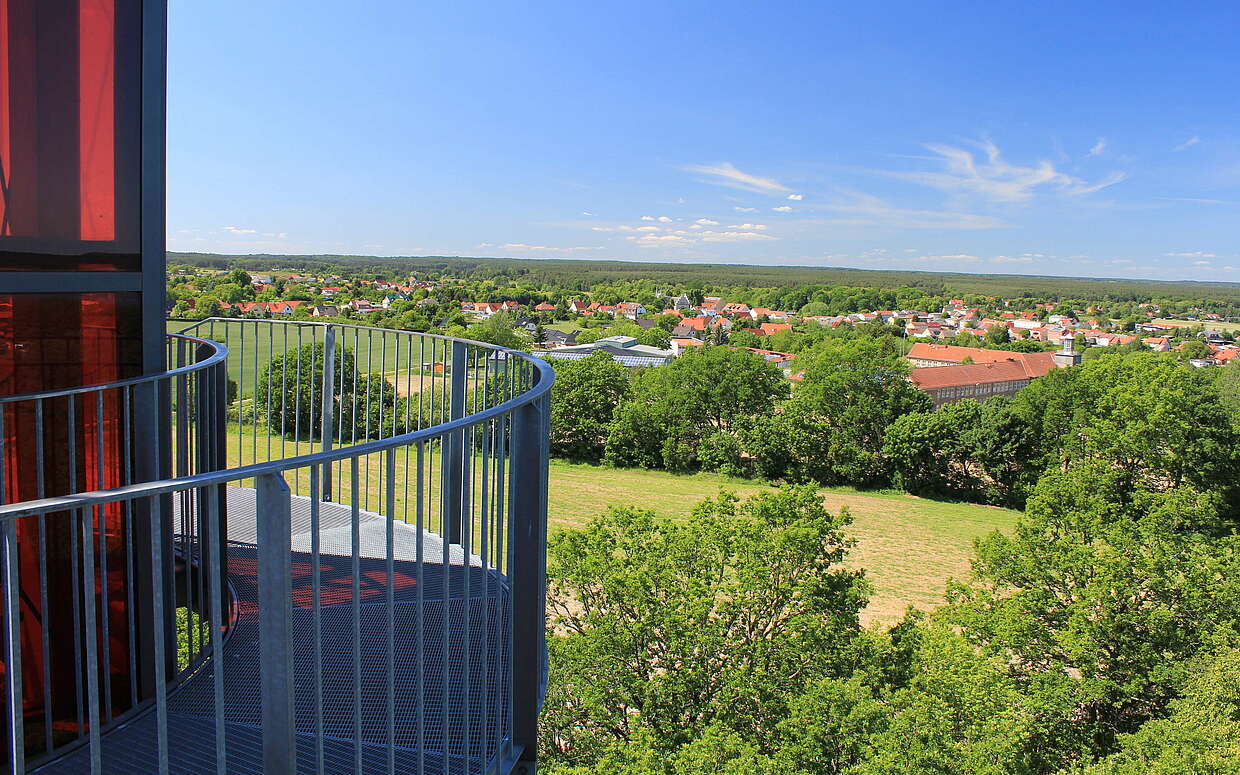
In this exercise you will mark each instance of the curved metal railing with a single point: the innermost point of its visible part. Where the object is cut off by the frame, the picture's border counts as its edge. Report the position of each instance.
(392, 608)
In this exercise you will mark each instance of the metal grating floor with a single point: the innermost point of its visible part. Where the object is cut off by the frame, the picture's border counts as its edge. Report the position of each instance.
(451, 698)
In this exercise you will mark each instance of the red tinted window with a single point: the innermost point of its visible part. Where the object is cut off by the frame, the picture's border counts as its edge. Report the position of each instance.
(69, 161)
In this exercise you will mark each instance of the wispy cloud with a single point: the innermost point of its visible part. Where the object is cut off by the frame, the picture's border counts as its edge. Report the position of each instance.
(991, 177)
(782, 209)
(740, 209)
(706, 222)
(1189, 143)
(1099, 147)
(867, 210)
(796, 197)
(1013, 259)
(524, 248)
(1192, 254)
(1197, 200)
(237, 230)
(724, 174)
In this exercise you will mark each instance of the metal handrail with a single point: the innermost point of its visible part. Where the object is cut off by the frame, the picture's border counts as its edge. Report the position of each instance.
(478, 478)
(220, 353)
(164, 486)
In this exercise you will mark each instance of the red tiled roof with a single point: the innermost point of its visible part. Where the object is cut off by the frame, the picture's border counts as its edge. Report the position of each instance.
(774, 328)
(935, 377)
(1036, 363)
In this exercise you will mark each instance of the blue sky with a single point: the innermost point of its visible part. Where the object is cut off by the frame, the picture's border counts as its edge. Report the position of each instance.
(1098, 139)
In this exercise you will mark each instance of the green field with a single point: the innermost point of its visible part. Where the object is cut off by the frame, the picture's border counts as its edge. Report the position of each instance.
(1226, 328)
(909, 546)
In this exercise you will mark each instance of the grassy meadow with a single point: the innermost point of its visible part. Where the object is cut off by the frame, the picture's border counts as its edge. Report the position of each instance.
(1211, 325)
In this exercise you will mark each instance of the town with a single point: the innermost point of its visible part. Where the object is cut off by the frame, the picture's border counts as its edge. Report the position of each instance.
(975, 347)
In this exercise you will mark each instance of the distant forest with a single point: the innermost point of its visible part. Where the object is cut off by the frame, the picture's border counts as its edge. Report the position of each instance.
(570, 273)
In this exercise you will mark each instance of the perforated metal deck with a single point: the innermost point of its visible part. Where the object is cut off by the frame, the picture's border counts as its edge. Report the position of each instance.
(445, 678)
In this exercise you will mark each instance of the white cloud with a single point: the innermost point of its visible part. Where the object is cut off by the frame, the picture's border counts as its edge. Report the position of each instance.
(647, 228)
(1189, 143)
(696, 226)
(740, 209)
(706, 222)
(521, 246)
(734, 236)
(1201, 263)
(659, 239)
(647, 217)
(1198, 201)
(620, 227)
(1099, 147)
(587, 214)
(664, 219)
(236, 230)
(1013, 259)
(991, 177)
(796, 197)
(749, 226)
(1192, 254)
(868, 210)
(782, 209)
(724, 174)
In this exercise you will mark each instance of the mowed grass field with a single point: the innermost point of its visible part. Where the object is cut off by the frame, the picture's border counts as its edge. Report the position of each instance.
(1211, 325)
(908, 546)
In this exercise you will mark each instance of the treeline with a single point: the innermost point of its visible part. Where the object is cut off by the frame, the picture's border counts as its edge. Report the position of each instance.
(855, 419)
(583, 275)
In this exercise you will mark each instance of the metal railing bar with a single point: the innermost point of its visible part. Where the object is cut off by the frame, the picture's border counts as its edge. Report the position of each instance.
(92, 646)
(217, 357)
(212, 537)
(103, 557)
(355, 533)
(390, 460)
(317, 599)
(420, 589)
(44, 607)
(258, 469)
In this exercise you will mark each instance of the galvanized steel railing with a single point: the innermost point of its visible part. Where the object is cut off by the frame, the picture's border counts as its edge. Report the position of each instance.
(355, 520)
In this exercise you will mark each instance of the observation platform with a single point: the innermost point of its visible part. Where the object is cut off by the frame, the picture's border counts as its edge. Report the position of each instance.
(450, 670)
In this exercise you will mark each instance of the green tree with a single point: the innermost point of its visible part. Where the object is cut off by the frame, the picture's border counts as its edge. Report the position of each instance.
(706, 390)
(583, 403)
(852, 391)
(1159, 421)
(1201, 736)
(500, 330)
(240, 277)
(1194, 349)
(670, 627)
(1100, 599)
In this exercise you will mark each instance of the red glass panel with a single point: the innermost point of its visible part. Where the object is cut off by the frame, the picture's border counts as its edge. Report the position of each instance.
(47, 342)
(68, 154)
(97, 86)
